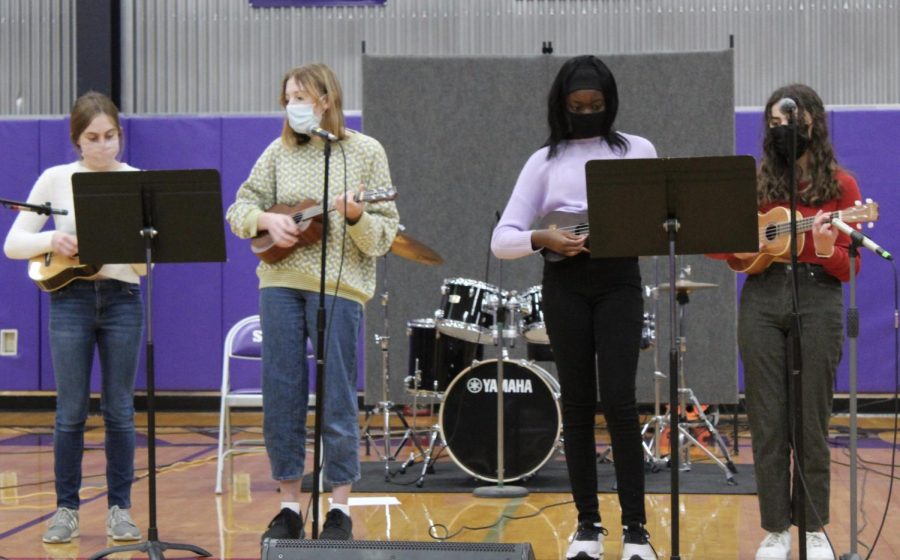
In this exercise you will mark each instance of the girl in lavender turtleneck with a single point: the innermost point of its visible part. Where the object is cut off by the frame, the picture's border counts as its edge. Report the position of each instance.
(592, 307)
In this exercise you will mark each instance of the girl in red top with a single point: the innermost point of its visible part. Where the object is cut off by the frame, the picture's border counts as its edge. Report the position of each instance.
(765, 326)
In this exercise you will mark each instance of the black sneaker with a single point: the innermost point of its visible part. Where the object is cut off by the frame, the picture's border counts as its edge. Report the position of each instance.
(636, 544)
(288, 524)
(337, 527)
(587, 542)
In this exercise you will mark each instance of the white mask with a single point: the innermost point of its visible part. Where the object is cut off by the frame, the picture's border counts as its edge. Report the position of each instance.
(100, 154)
(301, 117)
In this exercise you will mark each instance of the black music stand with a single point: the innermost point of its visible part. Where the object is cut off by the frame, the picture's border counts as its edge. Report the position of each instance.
(150, 217)
(674, 206)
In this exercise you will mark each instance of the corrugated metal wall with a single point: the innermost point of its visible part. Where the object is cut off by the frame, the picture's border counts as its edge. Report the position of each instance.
(189, 56)
(37, 56)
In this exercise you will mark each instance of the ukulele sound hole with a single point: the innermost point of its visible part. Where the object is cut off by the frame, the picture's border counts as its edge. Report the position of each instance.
(771, 232)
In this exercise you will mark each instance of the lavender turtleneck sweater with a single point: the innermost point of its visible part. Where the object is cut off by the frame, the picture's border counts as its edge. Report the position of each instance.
(557, 184)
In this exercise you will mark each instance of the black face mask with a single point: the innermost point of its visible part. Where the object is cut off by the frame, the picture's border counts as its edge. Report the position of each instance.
(587, 125)
(781, 140)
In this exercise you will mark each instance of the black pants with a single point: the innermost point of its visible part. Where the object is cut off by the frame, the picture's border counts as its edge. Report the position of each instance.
(593, 309)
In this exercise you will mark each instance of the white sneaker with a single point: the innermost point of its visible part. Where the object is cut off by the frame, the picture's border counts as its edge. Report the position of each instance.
(776, 546)
(817, 547)
(636, 544)
(586, 542)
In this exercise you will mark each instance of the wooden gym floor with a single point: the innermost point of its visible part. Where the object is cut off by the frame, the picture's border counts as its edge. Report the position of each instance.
(713, 527)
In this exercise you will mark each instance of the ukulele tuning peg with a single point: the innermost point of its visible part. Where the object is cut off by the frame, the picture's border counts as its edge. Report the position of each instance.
(857, 203)
(871, 225)
(868, 201)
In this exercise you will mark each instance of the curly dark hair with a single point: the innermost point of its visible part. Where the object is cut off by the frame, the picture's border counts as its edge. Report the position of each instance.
(560, 129)
(772, 185)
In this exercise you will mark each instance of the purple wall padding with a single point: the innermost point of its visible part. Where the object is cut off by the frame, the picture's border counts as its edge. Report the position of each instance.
(194, 305)
(19, 301)
(866, 143)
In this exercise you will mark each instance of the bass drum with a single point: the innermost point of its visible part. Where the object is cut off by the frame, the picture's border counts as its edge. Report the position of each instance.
(532, 419)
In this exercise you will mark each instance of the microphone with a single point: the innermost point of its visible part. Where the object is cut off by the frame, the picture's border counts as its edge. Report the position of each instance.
(787, 105)
(861, 239)
(322, 133)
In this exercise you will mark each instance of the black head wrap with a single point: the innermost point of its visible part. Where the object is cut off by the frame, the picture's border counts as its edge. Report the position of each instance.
(583, 76)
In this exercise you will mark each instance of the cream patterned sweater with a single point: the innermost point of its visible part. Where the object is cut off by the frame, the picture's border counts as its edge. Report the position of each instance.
(284, 175)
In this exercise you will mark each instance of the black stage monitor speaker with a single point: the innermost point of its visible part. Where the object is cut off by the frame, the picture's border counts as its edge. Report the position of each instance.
(290, 549)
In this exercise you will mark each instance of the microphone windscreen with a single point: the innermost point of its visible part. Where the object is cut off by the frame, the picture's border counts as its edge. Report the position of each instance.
(787, 105)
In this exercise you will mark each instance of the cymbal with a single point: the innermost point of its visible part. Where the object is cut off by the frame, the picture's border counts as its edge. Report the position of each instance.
(684, 285)
(408, 247)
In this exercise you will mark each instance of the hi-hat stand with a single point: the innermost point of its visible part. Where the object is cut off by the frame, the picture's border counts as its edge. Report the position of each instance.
(659, 423)
(426, 455)
(385, 407)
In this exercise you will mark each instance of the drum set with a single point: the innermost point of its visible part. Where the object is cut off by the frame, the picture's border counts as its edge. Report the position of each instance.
(447, 370)
(447, 367)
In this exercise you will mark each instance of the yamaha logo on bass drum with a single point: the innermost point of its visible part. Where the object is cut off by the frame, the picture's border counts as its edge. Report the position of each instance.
(476, 385)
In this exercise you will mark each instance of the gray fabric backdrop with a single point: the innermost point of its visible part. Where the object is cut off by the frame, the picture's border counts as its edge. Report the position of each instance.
(457, 132)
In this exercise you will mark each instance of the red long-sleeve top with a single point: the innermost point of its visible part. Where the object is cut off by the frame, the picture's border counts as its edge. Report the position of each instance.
(838, 264)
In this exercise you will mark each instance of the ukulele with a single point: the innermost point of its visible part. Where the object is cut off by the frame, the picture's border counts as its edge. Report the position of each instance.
(51, 271)
(573, 222)
(308, 217)
(775, 234)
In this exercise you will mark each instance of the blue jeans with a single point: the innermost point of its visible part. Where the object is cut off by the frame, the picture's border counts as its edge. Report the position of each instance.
(287, 317)
(107, 314)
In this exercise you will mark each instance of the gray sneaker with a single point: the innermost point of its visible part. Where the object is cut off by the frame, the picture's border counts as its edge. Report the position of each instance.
(62, 527)
(120, 526)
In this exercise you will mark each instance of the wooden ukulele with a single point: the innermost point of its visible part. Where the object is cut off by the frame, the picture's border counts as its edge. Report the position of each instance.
(775, 234)
(308, 217)
(52, 271)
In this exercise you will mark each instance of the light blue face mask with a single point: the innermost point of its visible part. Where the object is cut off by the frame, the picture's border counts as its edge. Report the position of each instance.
(301, 117)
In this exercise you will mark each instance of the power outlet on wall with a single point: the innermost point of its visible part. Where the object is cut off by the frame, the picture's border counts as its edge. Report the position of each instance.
(9, 342)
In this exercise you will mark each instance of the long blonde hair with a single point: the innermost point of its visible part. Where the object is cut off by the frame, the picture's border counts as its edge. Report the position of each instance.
(319, 81)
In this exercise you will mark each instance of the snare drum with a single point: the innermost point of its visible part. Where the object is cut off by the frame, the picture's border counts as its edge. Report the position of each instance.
(532, 419)
(461, 313)
(437, 358)
(533, 328)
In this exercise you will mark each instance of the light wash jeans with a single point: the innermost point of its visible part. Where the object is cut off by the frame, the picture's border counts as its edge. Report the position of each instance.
(287, 317)
(108, 315)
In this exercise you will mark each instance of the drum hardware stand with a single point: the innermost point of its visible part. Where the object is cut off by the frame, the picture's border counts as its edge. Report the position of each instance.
(385, 407)
(427, 454)
(504, 312)
(660, 422)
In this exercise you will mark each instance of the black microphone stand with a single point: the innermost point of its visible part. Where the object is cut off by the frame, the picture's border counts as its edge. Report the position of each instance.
(796, 345)
(36, 208)
(320, 352)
